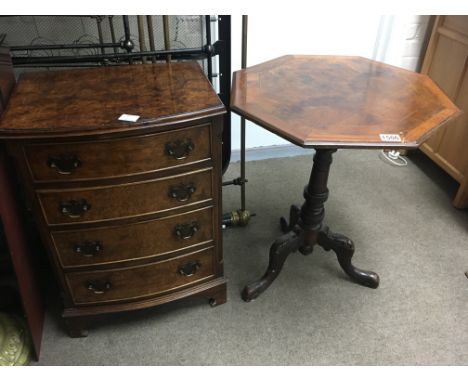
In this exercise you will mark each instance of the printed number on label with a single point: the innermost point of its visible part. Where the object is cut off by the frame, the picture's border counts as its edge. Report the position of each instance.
(390, 137)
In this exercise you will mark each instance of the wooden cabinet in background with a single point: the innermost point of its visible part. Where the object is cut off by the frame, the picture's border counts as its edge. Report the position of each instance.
(23, 259)
(446, 62)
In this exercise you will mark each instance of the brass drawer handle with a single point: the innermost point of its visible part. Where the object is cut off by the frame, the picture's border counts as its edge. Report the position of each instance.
(182, 192)
(98, 287)
(189, 269)
(64, 163)
(179, 149)
(88, 248)
(186, 231)
(74, 208)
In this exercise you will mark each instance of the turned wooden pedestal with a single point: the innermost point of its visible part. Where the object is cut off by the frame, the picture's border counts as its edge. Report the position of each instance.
(305, 229)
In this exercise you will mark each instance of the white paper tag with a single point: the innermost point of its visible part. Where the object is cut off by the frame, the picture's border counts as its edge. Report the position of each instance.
(129, 118)
(390, 137)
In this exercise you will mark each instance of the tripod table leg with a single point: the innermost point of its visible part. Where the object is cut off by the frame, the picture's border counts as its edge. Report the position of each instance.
(279, 252)
(344, 249)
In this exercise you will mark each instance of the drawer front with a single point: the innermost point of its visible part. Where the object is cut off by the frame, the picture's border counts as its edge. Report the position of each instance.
(118, 157)
(142, 281)
(112, 202)
(133, 241)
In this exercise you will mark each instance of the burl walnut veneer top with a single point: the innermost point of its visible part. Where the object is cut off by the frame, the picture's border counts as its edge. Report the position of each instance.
(86, 101)
(337, 101)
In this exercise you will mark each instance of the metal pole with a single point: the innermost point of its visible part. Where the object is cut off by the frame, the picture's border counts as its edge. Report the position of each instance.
(242, 216)
(141, 35)
(167, 40)
(149, 21)
(208, 44)
(99, 28)
(191, 53)
(112, 32)
(127, 32)
(224, 28)
(242, 153)
(63, 46)
(128, 43)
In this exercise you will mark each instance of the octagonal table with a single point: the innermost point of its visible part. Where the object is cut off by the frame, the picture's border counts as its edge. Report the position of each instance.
(327, 103)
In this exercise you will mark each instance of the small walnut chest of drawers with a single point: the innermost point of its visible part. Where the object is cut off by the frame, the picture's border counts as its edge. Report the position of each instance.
(129, 211)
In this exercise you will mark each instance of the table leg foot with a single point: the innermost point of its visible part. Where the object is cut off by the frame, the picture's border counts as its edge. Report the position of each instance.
(294, 215)
(217, 296)
(76, 327)
(279, 252)
(344, 249)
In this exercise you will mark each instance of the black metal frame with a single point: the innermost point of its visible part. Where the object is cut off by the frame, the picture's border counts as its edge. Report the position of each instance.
(221, 48)
(224, 47)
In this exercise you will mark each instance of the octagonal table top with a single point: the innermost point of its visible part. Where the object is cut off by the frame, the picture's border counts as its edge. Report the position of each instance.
(341, 101)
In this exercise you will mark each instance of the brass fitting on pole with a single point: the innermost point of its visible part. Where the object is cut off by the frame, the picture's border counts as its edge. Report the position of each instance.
(239, 218)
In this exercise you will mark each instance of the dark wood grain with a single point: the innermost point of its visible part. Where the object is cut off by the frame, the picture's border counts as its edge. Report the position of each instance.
(131, 156)
(125, 200)
(85, 101)
(338, 101)
(140, 281)
(147, 239)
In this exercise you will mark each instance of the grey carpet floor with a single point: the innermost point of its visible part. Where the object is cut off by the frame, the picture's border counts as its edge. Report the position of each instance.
(404, 228)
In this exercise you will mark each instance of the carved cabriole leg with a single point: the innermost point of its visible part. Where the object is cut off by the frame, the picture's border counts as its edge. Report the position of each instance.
(279, 252)
(344, 249)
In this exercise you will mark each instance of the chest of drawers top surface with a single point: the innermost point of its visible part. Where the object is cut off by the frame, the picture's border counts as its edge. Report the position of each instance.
(87, 101)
